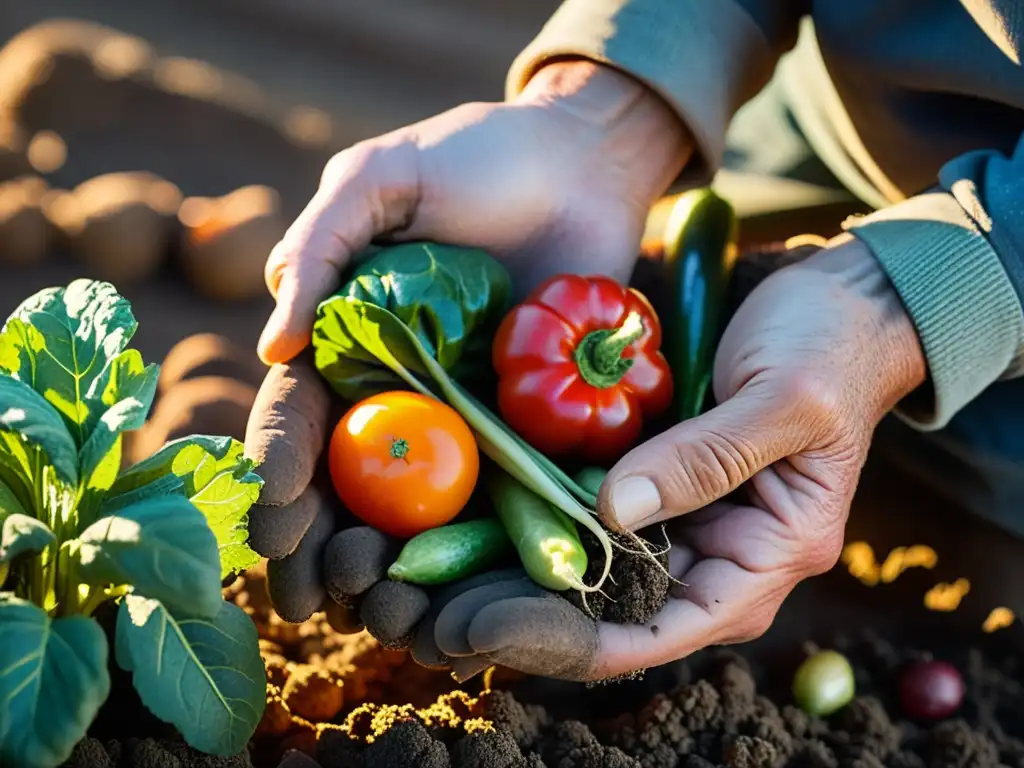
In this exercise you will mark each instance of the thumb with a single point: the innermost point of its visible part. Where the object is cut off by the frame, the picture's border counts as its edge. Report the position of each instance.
(703, 459)
(365, 192)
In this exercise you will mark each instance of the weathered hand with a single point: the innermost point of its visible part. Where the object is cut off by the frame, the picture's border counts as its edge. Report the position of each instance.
(806, 369)
(558, 180)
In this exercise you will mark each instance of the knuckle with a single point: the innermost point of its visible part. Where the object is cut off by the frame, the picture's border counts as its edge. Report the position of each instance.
(816, 400)
(822, 553)
(704, 470)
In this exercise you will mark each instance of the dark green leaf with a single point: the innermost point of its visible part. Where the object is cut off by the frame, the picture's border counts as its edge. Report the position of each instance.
(27, 418)
(9, 502)
(21, 534)
(204, 676)
(212, 473)
(53, 679)
(161, 547)
(61, 341)
(450, 298)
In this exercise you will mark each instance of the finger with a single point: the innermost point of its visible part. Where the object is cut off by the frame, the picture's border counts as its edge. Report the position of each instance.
(545, 636)
(469, 667)
(365, 191)
(286, 430)
(391, 611)
(293, 583)
(275, 532)
(700, 460)
(760, 541)
(425, 651)
(343, 619)
(452, 626)
(724, 604)
(355, 559)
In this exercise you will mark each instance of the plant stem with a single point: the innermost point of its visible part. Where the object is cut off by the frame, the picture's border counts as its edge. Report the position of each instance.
(599, 355)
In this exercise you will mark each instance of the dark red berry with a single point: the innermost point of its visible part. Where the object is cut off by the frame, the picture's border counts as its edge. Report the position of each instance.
(931, 690)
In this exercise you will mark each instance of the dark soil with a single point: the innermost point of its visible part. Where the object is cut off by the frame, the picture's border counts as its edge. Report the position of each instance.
(731, 715)
(636, 588)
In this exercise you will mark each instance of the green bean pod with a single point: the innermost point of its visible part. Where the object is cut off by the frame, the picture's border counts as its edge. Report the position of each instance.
(546, 539)
(451, 552)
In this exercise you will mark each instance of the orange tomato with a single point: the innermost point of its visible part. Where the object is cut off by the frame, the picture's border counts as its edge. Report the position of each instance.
(403, 462)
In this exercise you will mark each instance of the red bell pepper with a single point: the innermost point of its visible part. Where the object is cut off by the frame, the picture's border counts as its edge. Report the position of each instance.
(579, 368)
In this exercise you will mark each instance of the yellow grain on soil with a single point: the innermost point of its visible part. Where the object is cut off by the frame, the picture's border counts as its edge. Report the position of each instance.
(999, 618)
(456, 710)
(859, 559)
(946, 597)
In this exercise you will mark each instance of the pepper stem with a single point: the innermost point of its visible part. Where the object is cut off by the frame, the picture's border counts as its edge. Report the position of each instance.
(399, 448)
(599, 356)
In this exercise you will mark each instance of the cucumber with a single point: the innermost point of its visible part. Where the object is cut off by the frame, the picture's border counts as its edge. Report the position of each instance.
(451, 552)
(700, 253)
(545, 538)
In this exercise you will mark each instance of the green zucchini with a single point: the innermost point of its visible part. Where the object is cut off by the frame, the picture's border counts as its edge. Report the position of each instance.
(700, 253)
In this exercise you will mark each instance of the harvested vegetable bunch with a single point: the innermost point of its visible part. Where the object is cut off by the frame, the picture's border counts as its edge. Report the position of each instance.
(580, 369)
(423, 316)
(76, 533)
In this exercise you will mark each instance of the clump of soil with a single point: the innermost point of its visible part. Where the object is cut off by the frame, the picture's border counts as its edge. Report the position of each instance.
(636, 588)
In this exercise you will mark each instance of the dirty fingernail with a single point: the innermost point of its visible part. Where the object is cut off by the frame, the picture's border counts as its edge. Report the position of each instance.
(633, 500)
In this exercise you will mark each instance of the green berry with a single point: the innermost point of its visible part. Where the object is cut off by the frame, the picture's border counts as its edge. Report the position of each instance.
(823, 684)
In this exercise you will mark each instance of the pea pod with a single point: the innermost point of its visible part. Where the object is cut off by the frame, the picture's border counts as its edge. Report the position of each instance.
(545, 538)
(451, 552)
(700, 253)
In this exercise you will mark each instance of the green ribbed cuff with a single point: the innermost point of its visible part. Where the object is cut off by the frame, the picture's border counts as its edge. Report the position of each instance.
(958, 295)
(704, 57)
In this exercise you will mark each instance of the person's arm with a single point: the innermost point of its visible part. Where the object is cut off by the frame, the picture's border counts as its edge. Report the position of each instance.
(956, 257)
(706, 58)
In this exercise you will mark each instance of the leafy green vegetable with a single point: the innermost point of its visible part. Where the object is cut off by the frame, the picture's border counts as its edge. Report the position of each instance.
(61, 342)
(163, 547)
(76, 532)
(214, 475)
(196, 674)
(451, 300)
(364, 337)
(53, 680)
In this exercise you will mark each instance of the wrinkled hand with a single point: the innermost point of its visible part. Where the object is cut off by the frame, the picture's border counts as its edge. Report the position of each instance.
(806, 369)
(568, 169)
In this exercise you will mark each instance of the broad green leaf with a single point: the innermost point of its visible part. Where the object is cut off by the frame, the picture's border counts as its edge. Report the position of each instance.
(53, 680)
(61, 340)
(451, 299)
(128, 393)
(162, 548)
(25, 414)
(225, 501)
(185, 457)
(21, 534)
(212, 473)
(203, 676)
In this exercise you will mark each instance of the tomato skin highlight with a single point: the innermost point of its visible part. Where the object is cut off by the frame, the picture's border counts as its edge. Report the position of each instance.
(403, 462)
(552, 388)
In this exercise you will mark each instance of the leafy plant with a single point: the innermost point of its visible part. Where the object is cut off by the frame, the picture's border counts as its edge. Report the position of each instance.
(423, 316)
(77, 532)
